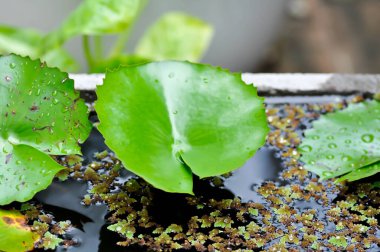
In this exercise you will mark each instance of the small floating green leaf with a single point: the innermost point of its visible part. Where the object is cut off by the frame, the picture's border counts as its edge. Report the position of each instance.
(166, 120)
(15, 235)
(339, 241)
(40, 114)
(344, 142)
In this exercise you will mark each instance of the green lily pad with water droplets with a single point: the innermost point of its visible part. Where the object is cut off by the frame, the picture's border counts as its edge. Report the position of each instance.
(40, 114)
(167, 119)
(343, 142)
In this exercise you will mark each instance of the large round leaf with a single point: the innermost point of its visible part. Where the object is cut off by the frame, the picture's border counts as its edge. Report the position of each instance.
(40, 114)
(344, 141)
(166, 119)
(15, 235)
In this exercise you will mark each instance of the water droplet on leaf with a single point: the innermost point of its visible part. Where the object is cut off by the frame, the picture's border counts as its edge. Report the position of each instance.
(367, 138)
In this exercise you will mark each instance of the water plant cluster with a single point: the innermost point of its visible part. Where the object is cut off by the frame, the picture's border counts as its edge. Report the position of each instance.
(166, 121)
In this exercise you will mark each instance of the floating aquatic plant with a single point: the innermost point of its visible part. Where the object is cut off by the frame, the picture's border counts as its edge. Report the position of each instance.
(346, 142)
(167, 120)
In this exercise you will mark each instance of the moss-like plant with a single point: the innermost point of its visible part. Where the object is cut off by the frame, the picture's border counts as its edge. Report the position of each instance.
(346, 142)
(166, 120)
(40, 115)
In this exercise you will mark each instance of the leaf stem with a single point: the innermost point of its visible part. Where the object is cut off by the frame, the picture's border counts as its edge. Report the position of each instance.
(87, 51)
(98, 44)
(123, 38)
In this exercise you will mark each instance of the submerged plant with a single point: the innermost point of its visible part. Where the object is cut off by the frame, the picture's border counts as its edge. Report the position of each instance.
(167, 120)
(40, 115)
(346, 143)
(176, 36)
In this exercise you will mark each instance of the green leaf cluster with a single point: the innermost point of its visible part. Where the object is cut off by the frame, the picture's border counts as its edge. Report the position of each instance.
(345, 143)
(175, 36)
(170, 119)
(164, 120)
(40, 115)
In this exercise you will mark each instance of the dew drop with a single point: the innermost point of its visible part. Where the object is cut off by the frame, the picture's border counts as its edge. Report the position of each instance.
(8, 78)
(12, 65)
(315, 137)
(330, 137)
(171, 75)
(348, 141)
(330, 157)
(367, 138)
(332, 146)
(343, 129)
(327, 174)
(306, 148)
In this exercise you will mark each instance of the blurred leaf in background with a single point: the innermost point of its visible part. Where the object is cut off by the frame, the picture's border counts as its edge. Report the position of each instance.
(27, 42)
(176, 36)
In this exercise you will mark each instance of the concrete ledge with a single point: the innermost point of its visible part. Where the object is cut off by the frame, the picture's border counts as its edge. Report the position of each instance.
(279, 83)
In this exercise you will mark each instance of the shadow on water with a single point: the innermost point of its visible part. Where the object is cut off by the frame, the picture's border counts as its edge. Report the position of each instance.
(263, 166)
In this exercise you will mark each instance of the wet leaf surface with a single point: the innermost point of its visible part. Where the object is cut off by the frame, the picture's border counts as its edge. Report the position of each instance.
(343, 142)
(40, 114)
(166, 120)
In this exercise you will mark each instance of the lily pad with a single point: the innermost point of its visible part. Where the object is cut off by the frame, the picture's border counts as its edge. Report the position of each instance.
(15, 235)
(40, 114)
(344, 141)
(165, 120)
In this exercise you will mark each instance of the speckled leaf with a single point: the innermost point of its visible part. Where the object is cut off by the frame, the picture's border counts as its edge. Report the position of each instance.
(15, 235)
(343, 141)
(163, 119)
(40, 114)
(176, 36)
